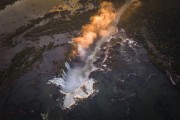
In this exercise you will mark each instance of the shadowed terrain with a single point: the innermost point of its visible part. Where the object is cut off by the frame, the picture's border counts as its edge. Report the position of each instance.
(137, 76)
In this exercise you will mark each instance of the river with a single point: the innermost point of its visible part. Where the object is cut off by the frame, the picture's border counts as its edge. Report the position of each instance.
(24, 11)
(127, 85)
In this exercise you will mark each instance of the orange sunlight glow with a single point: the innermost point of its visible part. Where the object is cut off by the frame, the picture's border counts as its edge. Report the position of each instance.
(98, 26)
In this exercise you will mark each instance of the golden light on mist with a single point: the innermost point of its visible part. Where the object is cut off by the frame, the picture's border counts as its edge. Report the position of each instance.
(98, 26)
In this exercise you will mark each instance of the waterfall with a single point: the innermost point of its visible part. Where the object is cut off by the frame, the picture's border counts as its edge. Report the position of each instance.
(75, 84)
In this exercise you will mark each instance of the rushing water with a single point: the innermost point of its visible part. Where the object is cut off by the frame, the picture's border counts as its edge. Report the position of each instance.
(129, 87)
(76, 84)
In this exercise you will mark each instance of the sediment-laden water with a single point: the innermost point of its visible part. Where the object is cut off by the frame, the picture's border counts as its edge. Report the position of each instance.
(121, 82)
(24, 11)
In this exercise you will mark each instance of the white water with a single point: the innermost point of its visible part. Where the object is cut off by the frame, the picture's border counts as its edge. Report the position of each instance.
(76, 84)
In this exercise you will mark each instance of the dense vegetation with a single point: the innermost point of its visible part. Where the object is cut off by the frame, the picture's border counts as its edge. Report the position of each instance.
(158, 23)
(62, 25)
(20, 64)
(4, 3)
(23, 60)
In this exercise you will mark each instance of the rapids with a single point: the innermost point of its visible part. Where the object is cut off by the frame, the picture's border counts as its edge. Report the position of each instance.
(76, 84)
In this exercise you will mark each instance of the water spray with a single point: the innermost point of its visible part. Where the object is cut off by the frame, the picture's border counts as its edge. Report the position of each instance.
(75, 84)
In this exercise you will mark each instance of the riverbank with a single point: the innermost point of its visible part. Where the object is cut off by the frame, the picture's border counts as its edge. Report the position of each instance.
(23, 48)
(4, 3)
(156, 25)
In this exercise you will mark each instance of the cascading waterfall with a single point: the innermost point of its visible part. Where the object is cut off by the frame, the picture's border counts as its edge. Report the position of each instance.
(75, 84)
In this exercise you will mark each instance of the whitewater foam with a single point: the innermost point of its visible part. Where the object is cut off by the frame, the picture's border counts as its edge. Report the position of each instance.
(76, 84)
